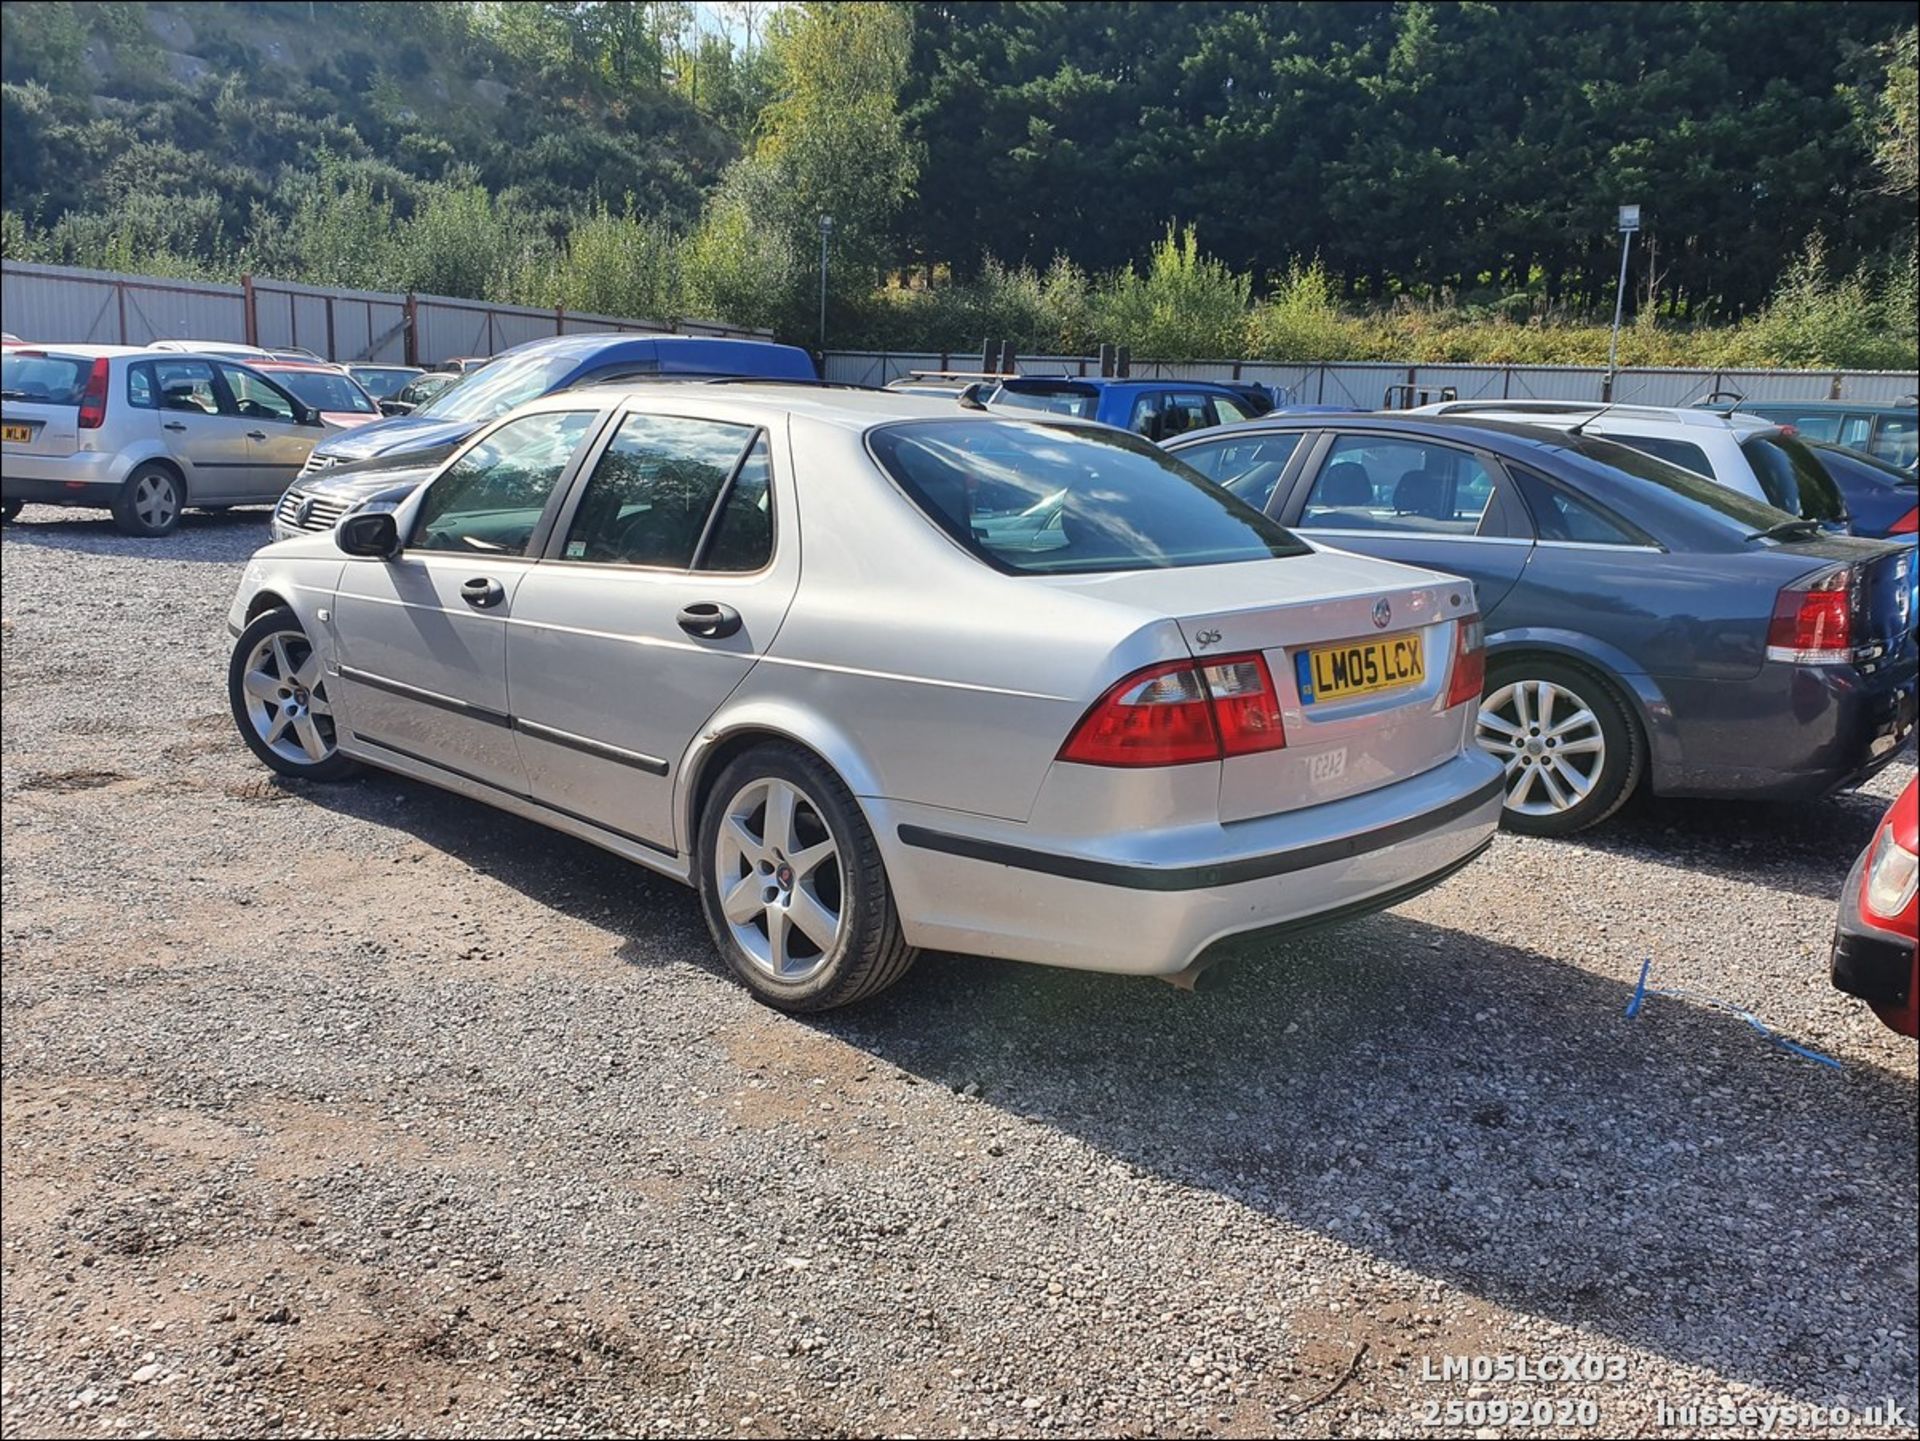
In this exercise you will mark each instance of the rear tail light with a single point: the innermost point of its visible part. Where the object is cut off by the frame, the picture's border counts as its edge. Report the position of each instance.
(1893, 874)
(1813, 621)
(1177, 714)
(1469, 675)
(1907, 524)
(93, 399)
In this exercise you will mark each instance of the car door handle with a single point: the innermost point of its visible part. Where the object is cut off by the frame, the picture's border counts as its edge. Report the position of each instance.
(709, 621)
(482, 593)
(256, 435)
(174, 425)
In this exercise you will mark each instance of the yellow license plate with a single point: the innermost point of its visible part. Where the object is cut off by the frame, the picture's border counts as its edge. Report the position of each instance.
(1356, 667)
(20, 433)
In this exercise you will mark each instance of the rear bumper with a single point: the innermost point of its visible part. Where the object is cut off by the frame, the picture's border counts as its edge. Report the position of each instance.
(1793, 733)
(1879, 966)
(83, 478)
(1148, 903)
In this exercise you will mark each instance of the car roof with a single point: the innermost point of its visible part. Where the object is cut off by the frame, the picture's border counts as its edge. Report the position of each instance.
(1561, 413)
(849, 408)
(1116, 382)
(324, 367)
(1904, 405)
(81, 352)
(1459, 429)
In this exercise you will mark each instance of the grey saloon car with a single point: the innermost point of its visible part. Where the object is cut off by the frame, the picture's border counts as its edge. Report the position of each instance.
(876, 674)
(1643, 623)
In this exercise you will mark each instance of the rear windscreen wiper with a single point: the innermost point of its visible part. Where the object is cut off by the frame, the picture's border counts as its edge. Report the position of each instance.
(1790, 530)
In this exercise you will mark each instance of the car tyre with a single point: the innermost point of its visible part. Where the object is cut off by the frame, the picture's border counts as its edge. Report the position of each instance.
(280, 702)
(1573, 751)
(9, 509)
(149, 502)
(793, 885)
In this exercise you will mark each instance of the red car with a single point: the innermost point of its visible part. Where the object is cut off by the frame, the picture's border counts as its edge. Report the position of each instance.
(1876, 946)
(338, 397)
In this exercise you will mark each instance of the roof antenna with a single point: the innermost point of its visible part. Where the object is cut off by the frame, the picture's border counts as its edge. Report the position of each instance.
(1582, 425)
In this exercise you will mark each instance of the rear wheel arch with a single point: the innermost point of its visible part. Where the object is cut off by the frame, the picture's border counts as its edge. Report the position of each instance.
(706, 764)
(1604, 695)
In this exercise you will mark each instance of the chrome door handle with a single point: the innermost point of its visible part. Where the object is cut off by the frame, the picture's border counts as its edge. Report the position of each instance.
(256, 435)
(482, 593)
(173, 425)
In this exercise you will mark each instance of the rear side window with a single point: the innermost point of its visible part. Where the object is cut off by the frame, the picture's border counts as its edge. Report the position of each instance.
(1250, 466)
(1897, 440)
(44, 379)
(653, 489)
(1792, 478)
(185, 385)
(1682, 453)
(1560, 516)
(1055, 499)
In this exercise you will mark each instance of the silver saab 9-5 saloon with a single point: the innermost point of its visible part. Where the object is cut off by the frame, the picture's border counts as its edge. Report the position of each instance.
(878, 674)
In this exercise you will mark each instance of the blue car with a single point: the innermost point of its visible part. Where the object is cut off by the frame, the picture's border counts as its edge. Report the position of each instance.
(382, 463)
(1157, 409)
(1644, 624)
(1881, 498)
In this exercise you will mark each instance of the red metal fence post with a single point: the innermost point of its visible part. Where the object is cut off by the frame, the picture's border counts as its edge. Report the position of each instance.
(413, 329)
(249, 323)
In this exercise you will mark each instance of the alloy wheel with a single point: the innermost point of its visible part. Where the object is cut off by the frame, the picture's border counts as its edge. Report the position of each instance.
(780, 881)
(1550, 742)
(155, 500)
(286, 698)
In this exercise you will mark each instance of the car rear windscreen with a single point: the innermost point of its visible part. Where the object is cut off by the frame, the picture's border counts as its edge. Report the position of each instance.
(323, 391)
(1076, 401)
(1792, 477)
(43, 379)
(1028, 496)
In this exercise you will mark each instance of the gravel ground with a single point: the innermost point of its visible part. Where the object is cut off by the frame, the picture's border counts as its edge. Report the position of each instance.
(367, 1110)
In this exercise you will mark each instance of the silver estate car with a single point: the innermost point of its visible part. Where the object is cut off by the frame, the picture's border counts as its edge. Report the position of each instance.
(876, 674)
(145, 433)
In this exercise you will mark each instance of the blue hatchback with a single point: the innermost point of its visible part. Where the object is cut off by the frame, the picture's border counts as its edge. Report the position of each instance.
(1643, 623)
(1157, 409)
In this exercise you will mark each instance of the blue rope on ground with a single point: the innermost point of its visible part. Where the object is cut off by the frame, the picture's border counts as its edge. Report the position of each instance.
(1641, 991)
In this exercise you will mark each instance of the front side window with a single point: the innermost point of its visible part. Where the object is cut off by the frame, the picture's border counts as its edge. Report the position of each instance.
(1387, 483)
(1682, 453)
(1897, 440)
(1032, 497)
(1792, 478)
(653, 489)
(255, 398)
(489, 500)
(1249, 466)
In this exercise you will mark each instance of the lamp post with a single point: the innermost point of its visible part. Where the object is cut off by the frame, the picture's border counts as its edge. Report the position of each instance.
(1629, 222)
(826, 229)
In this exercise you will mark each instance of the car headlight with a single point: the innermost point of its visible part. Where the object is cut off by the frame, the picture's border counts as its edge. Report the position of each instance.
(1892, 871)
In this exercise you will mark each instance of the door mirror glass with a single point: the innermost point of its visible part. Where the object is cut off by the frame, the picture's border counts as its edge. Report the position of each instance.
(373, 534)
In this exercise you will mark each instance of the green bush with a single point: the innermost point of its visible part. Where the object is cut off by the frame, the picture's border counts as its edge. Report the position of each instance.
(1186, 307)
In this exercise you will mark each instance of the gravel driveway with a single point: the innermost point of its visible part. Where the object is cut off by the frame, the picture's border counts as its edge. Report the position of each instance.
(366, 1109)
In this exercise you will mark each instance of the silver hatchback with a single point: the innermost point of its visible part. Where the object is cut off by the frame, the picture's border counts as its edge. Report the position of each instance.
(145, 433)
(877, 675)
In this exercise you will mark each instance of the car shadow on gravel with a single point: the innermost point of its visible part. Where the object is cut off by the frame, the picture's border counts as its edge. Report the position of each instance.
(1473, 1111)
(1805, 847)
(1480, 1113)
(219, 537)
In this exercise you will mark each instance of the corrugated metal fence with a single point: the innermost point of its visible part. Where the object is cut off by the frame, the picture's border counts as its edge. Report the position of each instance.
(1365, 384)
(58, 303)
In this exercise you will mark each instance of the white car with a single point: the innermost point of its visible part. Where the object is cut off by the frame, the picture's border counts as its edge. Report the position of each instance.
(1747, 453)
(145, 433)
(877, 674)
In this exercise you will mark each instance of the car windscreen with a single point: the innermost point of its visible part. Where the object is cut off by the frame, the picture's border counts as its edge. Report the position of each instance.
(380, 382)
(1032, 497)
(502, 384)
(43, 379)
(1792, 478)
(1055, 400)
(1736, 512)
(323, 391)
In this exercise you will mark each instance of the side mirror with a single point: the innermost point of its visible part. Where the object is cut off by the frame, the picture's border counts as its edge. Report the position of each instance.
(373, 534)
(394, 407)
(309, 416)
